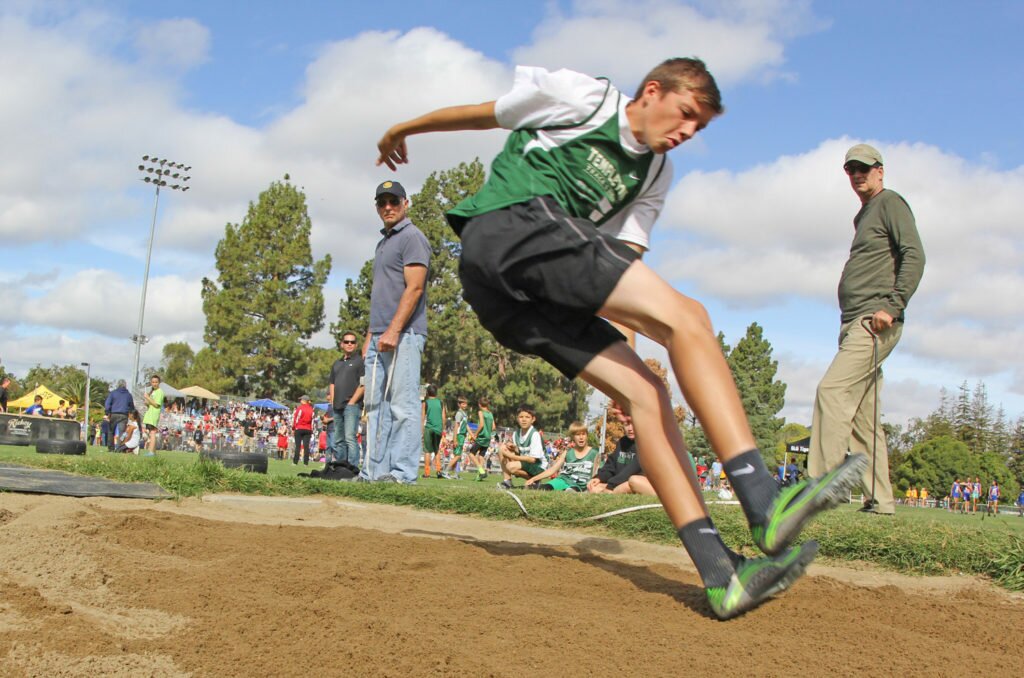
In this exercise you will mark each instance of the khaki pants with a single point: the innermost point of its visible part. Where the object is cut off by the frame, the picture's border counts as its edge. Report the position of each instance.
(844, 410)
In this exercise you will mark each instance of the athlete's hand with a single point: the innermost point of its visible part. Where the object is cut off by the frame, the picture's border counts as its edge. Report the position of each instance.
(392, 150)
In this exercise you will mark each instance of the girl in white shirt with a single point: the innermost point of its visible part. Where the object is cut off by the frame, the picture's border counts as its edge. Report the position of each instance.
(132, 435)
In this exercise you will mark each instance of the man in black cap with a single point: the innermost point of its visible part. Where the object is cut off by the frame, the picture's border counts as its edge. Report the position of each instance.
(394, 342)
(885, 266)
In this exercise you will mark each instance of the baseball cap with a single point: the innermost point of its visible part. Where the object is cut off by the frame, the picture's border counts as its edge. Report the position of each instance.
(305, 398)
(863, 153)
(392, 187)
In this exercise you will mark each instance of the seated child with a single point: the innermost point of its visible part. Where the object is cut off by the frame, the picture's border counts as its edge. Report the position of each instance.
(573, 468)
(621, 465)
(524, 456)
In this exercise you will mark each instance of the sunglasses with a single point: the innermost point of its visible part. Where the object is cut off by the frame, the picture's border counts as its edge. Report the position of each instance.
(394, 202)
(348, 341)
(859, 168)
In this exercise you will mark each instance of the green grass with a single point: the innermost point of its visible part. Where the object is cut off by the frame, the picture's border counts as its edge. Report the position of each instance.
(919, 541)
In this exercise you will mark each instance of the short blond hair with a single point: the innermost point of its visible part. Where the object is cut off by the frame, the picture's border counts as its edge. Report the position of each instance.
(576, 427)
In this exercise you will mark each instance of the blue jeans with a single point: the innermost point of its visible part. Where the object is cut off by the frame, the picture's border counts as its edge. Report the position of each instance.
(343, 434)
(393, 427)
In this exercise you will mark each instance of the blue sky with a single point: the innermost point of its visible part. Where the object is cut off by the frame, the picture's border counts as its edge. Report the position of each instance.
(757, 225)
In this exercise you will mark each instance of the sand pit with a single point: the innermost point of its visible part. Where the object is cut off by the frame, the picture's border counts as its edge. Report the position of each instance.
(241, 586)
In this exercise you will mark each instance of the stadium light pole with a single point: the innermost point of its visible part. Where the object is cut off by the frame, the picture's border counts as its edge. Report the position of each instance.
(88, 383)
(161, 173)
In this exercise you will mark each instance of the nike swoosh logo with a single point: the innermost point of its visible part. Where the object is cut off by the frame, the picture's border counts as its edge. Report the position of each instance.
(745, 471)
(633, 176)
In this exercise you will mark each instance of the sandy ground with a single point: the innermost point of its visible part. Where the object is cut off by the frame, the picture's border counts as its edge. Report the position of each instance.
(241, 586)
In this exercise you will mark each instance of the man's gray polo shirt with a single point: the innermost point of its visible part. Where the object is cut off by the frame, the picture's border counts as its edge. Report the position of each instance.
(404, 245)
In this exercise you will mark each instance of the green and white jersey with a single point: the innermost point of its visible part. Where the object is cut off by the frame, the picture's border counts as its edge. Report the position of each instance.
(571, 140)
(461, 424)
(483, 436)
(577, 471)
(528, 444)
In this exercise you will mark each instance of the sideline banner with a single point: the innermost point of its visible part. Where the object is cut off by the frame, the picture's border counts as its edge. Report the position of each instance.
(27, 430)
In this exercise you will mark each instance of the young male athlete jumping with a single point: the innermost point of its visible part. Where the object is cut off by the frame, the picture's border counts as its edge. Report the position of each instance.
(542, 270)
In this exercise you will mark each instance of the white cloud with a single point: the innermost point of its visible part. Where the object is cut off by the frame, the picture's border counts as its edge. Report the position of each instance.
(779, 233)
(738, 41)
(110, 359)
(105, 303)
(177, 43)
(79, 120)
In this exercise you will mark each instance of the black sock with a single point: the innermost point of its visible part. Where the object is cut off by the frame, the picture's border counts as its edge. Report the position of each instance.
(715, 562)
(754, 485)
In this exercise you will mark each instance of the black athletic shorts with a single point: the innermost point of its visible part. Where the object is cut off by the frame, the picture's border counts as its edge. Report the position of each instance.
(537, 277)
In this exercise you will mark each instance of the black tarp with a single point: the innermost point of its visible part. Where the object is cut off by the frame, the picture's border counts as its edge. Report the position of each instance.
(15, 478)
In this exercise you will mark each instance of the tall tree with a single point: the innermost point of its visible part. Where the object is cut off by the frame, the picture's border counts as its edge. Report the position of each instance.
(936, 463)
(999, 435)
(1016, 453)
(693, 433)
(177, 362)
(981, 419)
(461, 357)
(354, 307)
(314, 383)
(207, 371)
(763, 396)
(962, 427)
(268, 297)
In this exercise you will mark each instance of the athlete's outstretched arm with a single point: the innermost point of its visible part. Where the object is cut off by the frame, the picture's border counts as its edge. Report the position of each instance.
(452, 119)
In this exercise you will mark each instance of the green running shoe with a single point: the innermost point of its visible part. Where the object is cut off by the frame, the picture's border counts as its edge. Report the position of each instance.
(798, 503)
(758, 579)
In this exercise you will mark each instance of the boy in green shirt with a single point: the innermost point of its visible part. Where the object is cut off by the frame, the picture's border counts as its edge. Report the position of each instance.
(482, 437)
(155, 400)
(574, 467)
(544, 263)
(461, 429)
(524, 455)
(434, 417)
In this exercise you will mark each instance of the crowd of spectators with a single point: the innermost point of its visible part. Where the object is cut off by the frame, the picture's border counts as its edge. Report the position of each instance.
(197, 425)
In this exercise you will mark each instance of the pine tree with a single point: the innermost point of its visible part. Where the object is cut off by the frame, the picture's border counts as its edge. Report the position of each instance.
(962, 416)
(354, 307)
(763, 397)
(1016, 452)
(981, 419)
(696, 442)
(268, 297)
(945, 410)
(999, 437)
(176, 363)
(207, 371)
